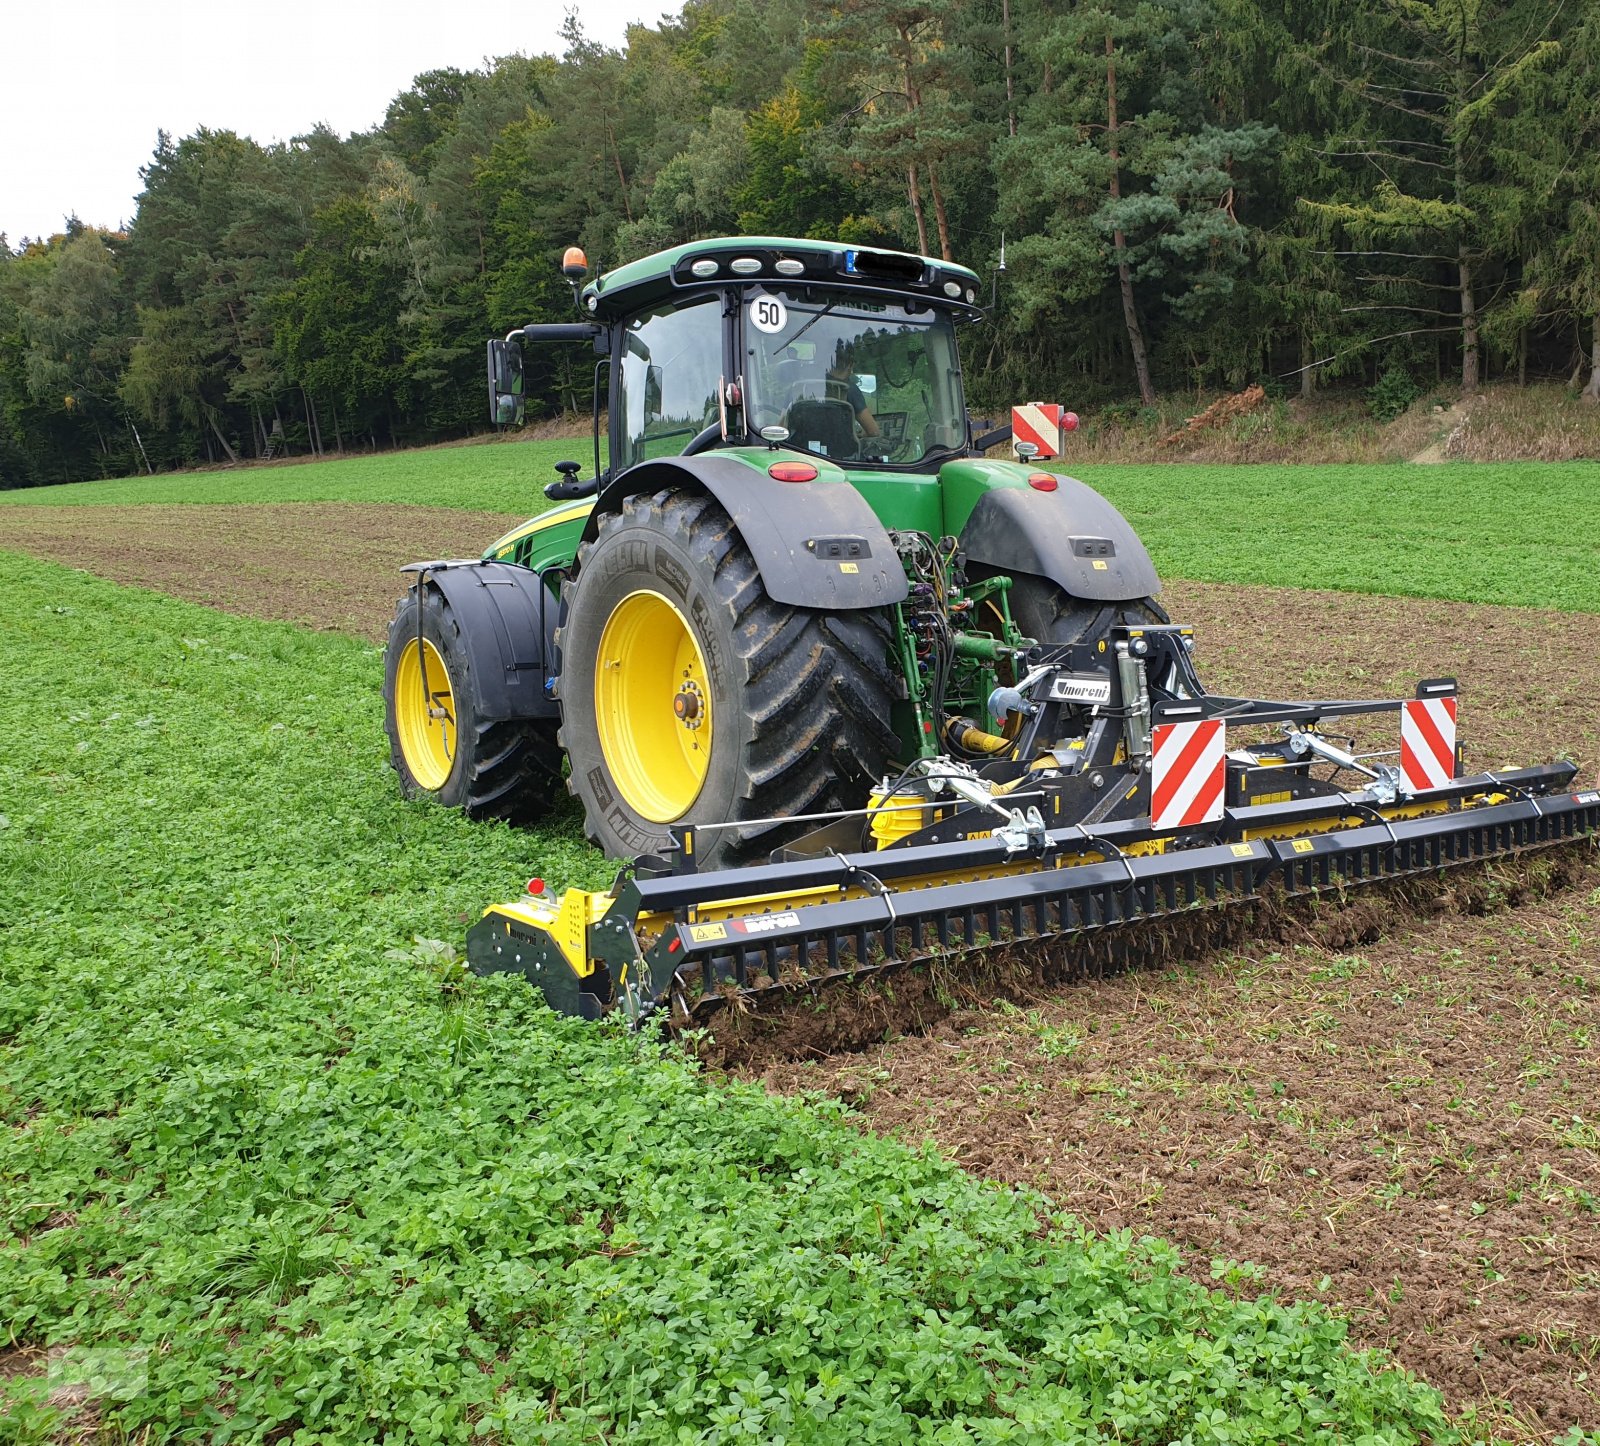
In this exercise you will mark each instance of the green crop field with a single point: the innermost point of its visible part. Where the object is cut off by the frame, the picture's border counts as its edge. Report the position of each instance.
(1522, 532)
(504, 478)
(272, 1168)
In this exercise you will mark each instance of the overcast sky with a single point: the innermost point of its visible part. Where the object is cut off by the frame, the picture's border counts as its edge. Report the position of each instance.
(87, 85)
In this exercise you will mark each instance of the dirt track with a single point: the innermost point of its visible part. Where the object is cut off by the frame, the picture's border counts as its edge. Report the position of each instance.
(1403, 1126)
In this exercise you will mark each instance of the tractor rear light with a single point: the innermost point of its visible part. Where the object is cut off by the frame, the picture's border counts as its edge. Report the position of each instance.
(744, 265)
(788, 266)
(792, 472)
(952, 288)
(1043, 481)
(705, 266)
(535, 886)
(1069, 421)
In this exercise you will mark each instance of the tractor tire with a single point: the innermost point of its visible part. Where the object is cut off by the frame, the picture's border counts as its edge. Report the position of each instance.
(688, 696)
(440, 744)
(1047, 612)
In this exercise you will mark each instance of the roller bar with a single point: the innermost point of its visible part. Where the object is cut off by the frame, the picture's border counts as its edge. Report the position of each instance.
(696, 967)
(688, 943)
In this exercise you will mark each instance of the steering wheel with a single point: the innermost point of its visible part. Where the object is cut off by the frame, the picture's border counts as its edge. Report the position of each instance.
(704, 441)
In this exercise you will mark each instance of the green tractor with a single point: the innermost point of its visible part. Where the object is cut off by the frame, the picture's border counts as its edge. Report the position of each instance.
(848, 695)
(797, 573)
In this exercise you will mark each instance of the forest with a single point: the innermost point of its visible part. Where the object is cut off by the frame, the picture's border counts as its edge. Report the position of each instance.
(1187, 195)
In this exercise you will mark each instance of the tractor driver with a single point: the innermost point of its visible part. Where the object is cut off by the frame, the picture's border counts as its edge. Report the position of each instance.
(841, 384)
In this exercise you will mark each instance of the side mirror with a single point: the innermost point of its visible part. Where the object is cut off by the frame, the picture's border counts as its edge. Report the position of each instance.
(507, 405)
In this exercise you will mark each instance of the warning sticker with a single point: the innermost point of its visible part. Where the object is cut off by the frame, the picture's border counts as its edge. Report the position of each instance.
(707, 933)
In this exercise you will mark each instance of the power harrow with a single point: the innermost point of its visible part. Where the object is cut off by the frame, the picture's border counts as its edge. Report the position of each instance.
(1126, 794)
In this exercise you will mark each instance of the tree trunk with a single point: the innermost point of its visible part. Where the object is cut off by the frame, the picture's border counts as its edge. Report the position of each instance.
(1011, 99)
(1591, 393)
(1469, 325)
(139, 441)
(938, 213)
(1469, 308)
(914, 195)
(1130, 315)
(622, 180)
(1308, 372)
(222, 441)
(312, 435)
(338, 441)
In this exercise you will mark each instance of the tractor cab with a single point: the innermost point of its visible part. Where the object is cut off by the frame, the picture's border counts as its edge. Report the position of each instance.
(843, 353)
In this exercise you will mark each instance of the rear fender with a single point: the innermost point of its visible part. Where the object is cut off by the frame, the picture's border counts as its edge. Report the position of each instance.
(508, 623)
(817, 544)
(1071, 535)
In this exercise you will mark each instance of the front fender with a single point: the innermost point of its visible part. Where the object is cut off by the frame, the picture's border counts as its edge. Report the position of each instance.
(817, 544)
(508, 623)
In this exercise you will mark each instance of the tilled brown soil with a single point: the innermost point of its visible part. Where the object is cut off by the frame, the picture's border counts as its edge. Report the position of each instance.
(1398, 1118)
(1406, 1130)
(1529, 678)
(325, 565)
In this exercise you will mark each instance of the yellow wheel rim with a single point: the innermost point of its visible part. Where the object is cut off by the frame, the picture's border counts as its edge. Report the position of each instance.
(652, 707)
(425, 721)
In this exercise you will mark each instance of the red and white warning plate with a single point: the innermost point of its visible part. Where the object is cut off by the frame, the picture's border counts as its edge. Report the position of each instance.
(1188, 771)
(1428, 741)
(1040, 423)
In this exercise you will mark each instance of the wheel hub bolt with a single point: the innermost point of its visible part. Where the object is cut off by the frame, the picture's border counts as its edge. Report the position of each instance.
(686, 706)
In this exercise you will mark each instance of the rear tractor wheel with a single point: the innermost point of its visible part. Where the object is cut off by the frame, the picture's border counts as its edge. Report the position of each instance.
(689, 696)
(440, 741)
(1046, 611)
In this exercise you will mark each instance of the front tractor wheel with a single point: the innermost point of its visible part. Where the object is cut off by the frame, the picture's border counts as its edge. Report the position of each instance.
(689, 696)
(441, 743)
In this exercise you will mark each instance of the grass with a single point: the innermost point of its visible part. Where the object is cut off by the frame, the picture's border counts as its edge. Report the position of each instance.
(1522, 532)
(498, 477)
(1471, 532)
(273, 1168)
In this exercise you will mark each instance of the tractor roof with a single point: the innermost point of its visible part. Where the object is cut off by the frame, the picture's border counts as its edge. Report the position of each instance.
(778, 260)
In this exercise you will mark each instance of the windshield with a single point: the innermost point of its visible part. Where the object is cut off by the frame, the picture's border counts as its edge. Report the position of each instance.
(853, 379)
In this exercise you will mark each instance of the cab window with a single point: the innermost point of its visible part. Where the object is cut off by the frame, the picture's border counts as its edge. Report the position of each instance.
(671, 363)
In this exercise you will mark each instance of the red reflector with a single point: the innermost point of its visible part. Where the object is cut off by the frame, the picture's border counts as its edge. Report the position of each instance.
(1069, 422)
(535, 886)
(674, 945)
(1043, 481)
(792, 472)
